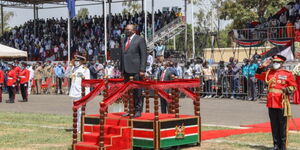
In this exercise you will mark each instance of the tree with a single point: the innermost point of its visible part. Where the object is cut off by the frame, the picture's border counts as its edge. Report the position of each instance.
(132, 6)
(6, 17)
(83, 12)
(243, 11)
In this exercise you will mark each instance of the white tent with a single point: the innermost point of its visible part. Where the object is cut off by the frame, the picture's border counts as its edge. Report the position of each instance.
(9, 52)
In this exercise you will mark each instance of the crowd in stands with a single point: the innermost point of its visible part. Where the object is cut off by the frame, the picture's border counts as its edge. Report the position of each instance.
(50, 41)
(283, 24)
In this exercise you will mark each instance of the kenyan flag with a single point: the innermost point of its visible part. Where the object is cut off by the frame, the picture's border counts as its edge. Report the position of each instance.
(250, 43)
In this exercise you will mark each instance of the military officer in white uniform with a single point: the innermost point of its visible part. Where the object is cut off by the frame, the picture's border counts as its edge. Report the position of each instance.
(79, 72)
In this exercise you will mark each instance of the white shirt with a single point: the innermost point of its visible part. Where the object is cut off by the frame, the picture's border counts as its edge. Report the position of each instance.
(31, 73)
(76, 76)
(150, 62)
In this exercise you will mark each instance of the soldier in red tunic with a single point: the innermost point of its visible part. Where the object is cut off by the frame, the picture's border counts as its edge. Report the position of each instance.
(11, 83)
(281, 84)
(17, 69)
(1, 83)
(24, 78)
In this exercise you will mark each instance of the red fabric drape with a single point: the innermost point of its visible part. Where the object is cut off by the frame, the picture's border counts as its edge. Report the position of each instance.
(77, 104)
(156, 85)
(165, 96)
(296, 98)
(188, 93)
(117, 89)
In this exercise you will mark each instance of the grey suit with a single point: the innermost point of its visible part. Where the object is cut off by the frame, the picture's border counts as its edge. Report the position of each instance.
(167, 77)
(133, 61)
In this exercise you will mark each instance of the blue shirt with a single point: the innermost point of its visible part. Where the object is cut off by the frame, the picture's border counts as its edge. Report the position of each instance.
(159, 50)
(252, 70)
(59, 71)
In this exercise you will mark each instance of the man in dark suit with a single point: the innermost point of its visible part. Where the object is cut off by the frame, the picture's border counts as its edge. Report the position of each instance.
(166, 75)
(133, 63)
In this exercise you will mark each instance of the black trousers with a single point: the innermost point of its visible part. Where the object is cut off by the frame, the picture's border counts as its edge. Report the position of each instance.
(59, 85)
(278, 125)
(11, 93)
(137, 93)
(163, 106)
(24, 91)
(1, 92)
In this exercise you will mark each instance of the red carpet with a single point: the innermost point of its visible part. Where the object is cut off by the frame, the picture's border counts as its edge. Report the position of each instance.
(254, 128)
(214, 134)
(267, 125)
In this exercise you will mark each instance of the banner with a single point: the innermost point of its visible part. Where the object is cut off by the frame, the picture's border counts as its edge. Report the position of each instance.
(250, 43)
(285, 51)
(285, 42)
(71, 7)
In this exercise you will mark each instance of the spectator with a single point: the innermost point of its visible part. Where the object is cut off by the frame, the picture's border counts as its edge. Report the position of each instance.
(59, 75)
(208, 77)
(160, 49)
(38, 75)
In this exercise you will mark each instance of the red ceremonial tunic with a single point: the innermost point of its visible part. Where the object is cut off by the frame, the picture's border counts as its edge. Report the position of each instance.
(296, 98)
(1, 77)
(17, 69)
(278, 80)
(11, 77)
(24, 76)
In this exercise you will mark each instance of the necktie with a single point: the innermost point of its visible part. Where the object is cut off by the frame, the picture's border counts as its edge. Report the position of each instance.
(127, 44)
(163, 75)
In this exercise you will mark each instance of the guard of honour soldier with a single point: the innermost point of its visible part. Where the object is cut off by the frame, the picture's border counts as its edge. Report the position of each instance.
(16, 78)
(281, 84)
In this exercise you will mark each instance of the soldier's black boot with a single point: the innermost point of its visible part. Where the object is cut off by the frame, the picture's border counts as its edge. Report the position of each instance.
(10, 101)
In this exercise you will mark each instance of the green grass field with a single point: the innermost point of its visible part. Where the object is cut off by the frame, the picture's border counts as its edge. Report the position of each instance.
(29, 131)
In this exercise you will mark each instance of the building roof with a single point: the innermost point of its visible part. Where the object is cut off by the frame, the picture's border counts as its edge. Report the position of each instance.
(34, 1)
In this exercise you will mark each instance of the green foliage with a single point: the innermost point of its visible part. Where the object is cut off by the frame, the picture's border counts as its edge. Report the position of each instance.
(243, 11)
(131, 7)
(83, 12)
(6, 17)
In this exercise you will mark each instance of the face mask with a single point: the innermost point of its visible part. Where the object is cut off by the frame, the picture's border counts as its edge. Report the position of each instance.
(22, 68)
(59, 66)
(77, 63)
(8, 68)
(276, 65)
(128, 33)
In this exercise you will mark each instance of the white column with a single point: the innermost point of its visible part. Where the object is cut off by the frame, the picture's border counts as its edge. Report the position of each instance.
(193, 30)
(174, 42)
(146, 24)
(105, 30)
(69, 37)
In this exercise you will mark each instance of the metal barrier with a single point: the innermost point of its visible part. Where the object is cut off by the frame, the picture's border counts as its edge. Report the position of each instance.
(284, 32)
(231, 86)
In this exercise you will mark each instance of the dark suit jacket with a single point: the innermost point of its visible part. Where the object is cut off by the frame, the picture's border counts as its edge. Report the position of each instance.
(168, 74)
(134, 59)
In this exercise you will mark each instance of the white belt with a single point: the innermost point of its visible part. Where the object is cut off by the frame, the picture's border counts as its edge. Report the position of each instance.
(21, 76)
(9, 78)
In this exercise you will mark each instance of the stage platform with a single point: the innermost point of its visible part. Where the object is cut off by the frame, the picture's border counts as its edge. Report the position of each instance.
(142, 132)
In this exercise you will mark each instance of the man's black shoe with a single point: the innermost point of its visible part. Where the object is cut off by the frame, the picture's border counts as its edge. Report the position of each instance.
(126, 115)
(22, 101)
(137, 114)
(9, 101)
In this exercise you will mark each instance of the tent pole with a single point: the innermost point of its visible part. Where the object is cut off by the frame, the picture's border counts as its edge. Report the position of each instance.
(2, 20)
